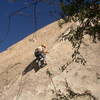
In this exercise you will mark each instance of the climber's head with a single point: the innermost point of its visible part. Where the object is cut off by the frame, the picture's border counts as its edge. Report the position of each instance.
(43, 45)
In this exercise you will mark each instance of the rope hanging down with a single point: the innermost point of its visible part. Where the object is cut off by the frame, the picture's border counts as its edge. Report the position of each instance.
(34, 8)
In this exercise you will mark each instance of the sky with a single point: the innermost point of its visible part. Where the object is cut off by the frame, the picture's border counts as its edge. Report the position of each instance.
(22, 26)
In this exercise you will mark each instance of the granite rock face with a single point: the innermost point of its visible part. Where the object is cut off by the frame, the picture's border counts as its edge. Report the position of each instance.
(78, 81)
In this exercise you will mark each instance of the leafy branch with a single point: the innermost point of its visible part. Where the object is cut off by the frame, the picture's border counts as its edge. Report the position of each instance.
(88, 16)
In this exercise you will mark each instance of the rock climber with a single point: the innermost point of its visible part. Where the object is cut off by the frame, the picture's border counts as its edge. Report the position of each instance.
(40, 53)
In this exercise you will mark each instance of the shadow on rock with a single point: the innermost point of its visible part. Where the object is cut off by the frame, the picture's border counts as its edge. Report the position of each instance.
(31, 66)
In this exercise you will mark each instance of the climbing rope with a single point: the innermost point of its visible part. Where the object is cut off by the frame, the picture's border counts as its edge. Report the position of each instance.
(34, 8)
(20, 88)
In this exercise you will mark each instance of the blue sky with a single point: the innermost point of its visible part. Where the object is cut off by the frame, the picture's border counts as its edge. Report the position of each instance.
(22, 26)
